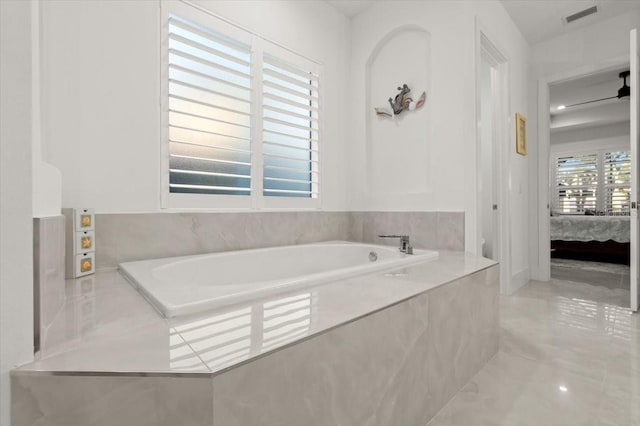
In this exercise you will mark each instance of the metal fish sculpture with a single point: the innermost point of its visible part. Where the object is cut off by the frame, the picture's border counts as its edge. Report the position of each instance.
(402, 101)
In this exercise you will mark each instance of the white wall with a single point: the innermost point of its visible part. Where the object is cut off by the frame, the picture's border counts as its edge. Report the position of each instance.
(46, 179)
(452, 135)
(101, 89)
(609, 131)
(501, 30)
(619, 142)
(606, 114)
(396, 147)
(585, 46)
(16, 246)
(451, 33)
(602, 44)
(100, 109)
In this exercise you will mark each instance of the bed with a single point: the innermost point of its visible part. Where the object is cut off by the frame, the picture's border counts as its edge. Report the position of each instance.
(598, 238)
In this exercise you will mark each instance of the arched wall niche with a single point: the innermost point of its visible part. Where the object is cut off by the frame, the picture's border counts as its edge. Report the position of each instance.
(397, 149)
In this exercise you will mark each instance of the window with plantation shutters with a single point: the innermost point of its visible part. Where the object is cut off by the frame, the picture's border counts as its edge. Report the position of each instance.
(241, 117)
(617, 182)
(209, 111)
(576, 183)
(290, 130)
(599, 181)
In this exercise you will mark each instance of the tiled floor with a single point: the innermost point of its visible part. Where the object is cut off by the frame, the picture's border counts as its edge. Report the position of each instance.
(569, 355)
(609, 275)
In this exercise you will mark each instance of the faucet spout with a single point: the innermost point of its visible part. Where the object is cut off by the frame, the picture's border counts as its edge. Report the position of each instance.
(405, 244)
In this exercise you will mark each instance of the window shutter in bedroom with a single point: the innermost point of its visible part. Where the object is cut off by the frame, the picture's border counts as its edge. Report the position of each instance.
(617, 182)
(576, 183)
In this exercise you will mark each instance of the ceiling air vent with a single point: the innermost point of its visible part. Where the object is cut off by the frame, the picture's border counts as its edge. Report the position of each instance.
(589, 11)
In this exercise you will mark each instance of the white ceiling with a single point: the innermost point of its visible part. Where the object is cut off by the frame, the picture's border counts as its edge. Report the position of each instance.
(538, 20)
(588, 88)
(595, 86)
(350, 8)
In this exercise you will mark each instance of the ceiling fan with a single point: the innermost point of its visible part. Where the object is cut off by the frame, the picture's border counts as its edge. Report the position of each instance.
(623, 92)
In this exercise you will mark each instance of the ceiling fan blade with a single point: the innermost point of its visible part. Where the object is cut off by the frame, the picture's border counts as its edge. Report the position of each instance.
(590, 102)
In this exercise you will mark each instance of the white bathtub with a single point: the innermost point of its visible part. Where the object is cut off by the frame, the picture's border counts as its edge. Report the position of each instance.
(190, 284)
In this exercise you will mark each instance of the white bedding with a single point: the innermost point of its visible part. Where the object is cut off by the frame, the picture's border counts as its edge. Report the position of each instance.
(590, 228)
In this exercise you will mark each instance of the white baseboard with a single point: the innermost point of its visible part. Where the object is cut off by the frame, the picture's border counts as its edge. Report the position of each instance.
(539, 275)
(518, 280)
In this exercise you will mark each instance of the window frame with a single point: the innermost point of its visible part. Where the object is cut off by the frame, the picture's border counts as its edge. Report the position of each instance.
(259, 46)
(601, 185)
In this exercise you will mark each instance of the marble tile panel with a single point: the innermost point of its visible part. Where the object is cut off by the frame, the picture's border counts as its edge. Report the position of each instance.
(356, 226)
(49, 272)
(308, 311)
(535, 336)
(420, 226)
(392, 367)
(450, 230)
(464, 334)
(228, 336)
(562, 290)
(56, 400)
(102, 312)
(337, 378)
(568, 355)
(430, 230)
(620, 403)
(511, 390)
(128, 237)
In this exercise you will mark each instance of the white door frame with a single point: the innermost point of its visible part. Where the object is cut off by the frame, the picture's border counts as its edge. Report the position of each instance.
(634, 133)
(501, 121)
(543, 270)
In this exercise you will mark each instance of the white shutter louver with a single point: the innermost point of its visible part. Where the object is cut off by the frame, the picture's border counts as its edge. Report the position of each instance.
(209, 111)
(290, 130)
(617, 182)
(240, 116)
(286, 319)
(576, 183)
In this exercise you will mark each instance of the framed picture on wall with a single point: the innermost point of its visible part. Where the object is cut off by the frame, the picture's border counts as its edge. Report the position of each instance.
(521, 134)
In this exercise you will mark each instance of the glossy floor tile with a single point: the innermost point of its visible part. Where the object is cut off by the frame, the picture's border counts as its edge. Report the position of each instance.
(569, 355)
(610, 275)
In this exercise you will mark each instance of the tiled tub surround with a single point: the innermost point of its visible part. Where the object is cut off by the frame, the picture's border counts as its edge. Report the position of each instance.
(187, 285)
(48, 277)
(429, 230)
(128, 237)
(382, 349)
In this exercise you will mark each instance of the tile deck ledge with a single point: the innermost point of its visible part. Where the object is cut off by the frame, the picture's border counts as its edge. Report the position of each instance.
(106, 327)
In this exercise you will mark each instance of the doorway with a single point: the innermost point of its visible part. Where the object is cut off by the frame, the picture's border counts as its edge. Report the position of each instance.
(492, 222)
(487, 182)
(556, 201)
(590, 181)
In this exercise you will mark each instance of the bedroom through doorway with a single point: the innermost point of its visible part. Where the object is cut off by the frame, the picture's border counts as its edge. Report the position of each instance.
(590, 182)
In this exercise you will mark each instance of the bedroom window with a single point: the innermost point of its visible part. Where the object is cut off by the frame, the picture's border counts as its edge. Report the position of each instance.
(241, 117)
(596, 182)
(617, 182)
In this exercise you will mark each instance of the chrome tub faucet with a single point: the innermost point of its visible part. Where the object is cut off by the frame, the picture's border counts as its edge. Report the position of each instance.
(405, 245)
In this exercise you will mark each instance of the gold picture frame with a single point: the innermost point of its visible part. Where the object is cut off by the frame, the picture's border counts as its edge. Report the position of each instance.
(521, 134)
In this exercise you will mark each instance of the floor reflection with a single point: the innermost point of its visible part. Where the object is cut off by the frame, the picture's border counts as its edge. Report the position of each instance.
(232, 336)
(569, 354)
